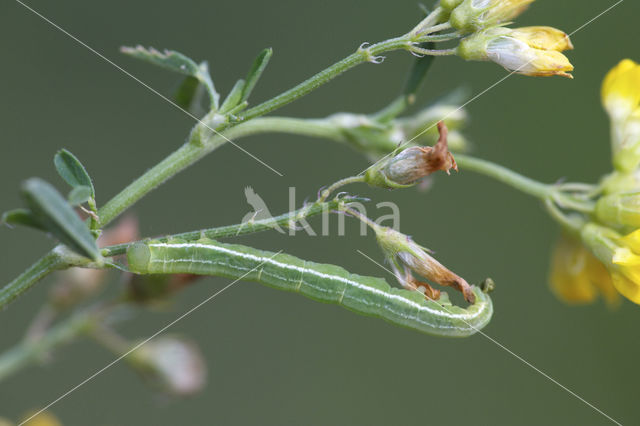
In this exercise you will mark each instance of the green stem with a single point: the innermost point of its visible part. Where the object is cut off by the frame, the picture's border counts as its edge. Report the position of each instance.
(30, 351)
(339, 184)
(282, 221)
(204, 139)
(360, 56)
(547, 193)
(57, 259)
(191, 152)
(432, 52)
(507, 176)
(52, 261)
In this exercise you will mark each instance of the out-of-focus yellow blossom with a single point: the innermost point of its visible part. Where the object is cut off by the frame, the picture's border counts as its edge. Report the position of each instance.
(43, 419)
(619, 254)
(621, 99)
(577, 276)
(533, 51)
(474, 15)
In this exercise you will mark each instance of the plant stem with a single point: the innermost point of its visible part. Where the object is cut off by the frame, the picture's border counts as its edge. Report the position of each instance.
(360, 56)
(507, 176)
(250, 227)
(29, 351)
(432, 52)
(52, 261)
(524, 184)
(191, 152)
(339, 184)
(201, 143)
(57, 259)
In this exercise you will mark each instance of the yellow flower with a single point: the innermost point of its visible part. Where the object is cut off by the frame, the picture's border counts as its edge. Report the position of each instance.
(621, 256)
(544, 38)
(577, 276)
(43, 419)
(621, 99)
(533, 51)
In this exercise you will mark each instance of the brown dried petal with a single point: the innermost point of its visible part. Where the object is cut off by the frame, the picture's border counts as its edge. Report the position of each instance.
(429, 268)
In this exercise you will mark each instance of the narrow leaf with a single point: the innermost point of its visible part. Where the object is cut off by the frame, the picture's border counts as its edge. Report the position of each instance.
(176, 62)
(256, 71)
(186, 94)
(234, 97)
(22, 217)
(72, 170)
(169, 59)
(79, 195)
(58, 217)
(418, 72)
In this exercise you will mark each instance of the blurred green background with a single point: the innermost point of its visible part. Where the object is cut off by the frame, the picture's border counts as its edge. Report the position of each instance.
(277, 358)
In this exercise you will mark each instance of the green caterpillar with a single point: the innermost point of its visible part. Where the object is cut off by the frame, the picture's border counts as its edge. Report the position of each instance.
(325, 283)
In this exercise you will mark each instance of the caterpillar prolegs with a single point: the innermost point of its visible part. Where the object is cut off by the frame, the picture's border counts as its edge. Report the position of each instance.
(322, 282)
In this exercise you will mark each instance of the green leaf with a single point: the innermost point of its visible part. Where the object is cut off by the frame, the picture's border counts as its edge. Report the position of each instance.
(234, 97)
(418, 72)
(187, 92)
(169, 59)
(22, 217)
(57, 216)
(72, 170)
(177, 62)
(79, 195)
(256, 71)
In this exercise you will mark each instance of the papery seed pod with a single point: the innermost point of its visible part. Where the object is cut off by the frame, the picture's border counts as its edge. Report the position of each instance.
(407, 257)
(408, 166)
(172, 363)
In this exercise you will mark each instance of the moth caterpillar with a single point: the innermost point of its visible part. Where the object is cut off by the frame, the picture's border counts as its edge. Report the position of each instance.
(322, 282)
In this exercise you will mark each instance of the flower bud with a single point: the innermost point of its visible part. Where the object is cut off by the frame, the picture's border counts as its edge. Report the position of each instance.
(407, 257)
(449, 5)
(621, 99)
(620, 209)
(474, 15)
(412, 164)
(174, 364)
(533, 51)
(617, 182)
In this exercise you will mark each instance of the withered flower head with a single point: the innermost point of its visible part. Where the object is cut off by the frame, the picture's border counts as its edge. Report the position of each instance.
(412, 164)
(407, 257)
(173, 363)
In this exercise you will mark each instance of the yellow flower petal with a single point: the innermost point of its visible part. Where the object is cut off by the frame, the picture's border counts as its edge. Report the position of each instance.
(632, 241)
(621, 90)
(516, 55)
(627, 287)
(544, 38)
(577, 276)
